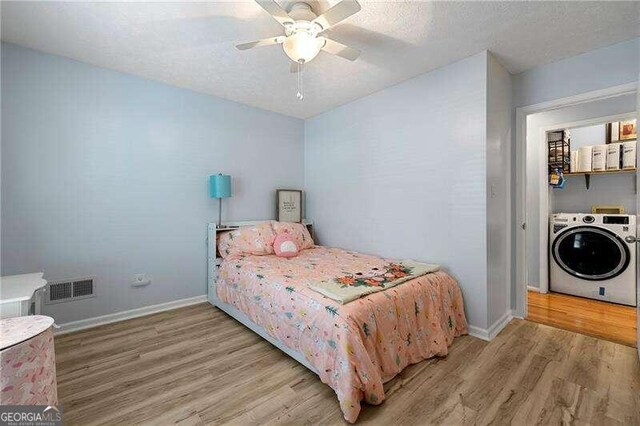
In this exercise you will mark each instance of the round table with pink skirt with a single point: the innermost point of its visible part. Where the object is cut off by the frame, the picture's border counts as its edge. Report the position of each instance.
(27, 361)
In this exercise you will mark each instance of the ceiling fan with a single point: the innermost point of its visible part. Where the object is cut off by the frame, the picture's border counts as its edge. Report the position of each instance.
(302, 39)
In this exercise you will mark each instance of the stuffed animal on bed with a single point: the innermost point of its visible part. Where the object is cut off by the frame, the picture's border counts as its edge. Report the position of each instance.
(284, 245)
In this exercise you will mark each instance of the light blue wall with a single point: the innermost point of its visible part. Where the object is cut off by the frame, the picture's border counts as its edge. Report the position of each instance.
(604, 190)
(599, 69)
(588, 135)
(498, 126)
(402, 173)
(595, 70)
(105, 174)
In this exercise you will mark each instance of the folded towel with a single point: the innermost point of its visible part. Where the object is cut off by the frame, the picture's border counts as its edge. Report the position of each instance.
(629, 155)
(585, 154)
(599, 159)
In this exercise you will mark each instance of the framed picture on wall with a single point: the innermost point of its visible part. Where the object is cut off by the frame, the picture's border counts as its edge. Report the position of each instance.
(289, 202)
(627, 130)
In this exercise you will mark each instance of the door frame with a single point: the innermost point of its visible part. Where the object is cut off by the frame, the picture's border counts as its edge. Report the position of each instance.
(520, 310)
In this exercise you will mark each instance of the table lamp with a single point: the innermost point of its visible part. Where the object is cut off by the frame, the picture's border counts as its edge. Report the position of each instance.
(220, 187)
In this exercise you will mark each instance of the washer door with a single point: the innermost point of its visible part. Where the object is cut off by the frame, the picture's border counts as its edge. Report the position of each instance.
(591, 253)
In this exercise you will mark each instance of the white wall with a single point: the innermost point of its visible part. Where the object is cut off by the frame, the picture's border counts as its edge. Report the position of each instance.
(498, 123)
(403, 173)
(106, 174)
(575, 197)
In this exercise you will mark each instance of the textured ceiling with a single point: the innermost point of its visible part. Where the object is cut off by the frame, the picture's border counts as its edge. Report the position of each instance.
(191, 44)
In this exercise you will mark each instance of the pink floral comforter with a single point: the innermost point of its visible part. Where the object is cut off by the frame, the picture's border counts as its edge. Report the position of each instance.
(355, 347)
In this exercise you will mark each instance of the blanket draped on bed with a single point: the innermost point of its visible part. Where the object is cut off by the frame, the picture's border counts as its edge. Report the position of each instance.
(355, 347)
(354, 284)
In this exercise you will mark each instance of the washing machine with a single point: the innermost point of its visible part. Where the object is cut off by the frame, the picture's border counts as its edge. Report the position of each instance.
(594, 256)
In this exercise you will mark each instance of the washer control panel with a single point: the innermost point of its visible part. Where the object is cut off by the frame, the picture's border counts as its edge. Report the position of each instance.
(557, 228)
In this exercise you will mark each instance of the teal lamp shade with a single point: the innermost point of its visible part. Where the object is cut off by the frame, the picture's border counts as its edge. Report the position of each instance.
(220, 186)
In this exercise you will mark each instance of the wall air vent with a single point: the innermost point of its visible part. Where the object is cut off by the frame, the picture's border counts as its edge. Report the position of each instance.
(83, 288)
(66, 291)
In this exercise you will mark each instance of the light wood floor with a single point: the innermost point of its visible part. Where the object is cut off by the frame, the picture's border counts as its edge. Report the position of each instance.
(196, 365)
(608, 321)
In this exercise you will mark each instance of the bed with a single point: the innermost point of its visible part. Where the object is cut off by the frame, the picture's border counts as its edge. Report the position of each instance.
(354, 347)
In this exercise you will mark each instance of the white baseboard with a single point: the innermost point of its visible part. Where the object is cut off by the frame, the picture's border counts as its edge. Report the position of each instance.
(480, 333)
(490, 333)
(125, 315)
(532, 288)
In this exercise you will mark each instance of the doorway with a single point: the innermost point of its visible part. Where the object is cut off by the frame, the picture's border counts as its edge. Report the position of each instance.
(535, 200)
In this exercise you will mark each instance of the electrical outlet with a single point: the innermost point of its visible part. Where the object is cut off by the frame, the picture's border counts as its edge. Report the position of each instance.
(140, 280)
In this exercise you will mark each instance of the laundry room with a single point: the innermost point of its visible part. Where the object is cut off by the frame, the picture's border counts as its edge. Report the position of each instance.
(581, 205)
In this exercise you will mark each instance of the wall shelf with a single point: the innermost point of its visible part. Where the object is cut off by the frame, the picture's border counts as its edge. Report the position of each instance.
(587, 175)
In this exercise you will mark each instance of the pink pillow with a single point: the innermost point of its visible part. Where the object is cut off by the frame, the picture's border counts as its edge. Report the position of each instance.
(297, 231)
(257, 240)
(285, 246)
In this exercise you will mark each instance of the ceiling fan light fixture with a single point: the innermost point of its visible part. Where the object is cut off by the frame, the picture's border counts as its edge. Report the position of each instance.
(302, 46)
(301, 41)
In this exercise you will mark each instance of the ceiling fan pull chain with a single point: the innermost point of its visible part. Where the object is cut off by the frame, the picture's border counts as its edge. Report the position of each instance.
(300, 94)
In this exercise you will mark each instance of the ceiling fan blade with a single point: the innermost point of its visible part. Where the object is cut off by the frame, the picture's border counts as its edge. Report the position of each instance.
(274, 9)
(340, 49)
(337, 13)
(259, 43)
